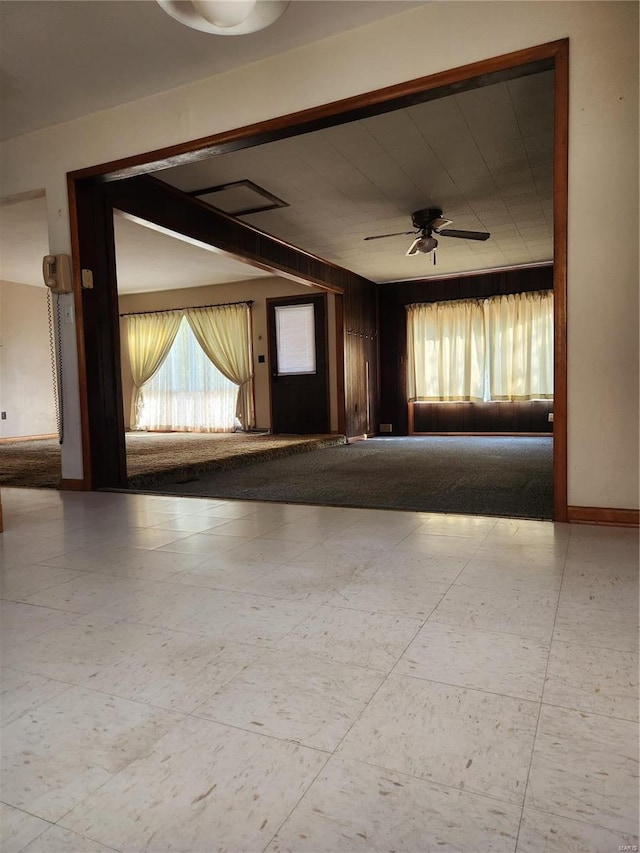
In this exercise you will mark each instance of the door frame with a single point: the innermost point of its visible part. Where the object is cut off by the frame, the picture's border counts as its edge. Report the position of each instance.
(272, 302)
(87, 242)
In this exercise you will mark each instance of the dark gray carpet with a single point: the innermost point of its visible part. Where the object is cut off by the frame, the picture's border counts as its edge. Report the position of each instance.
(475, 475)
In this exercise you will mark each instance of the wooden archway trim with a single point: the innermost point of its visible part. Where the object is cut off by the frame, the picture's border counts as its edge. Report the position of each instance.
(560, 259)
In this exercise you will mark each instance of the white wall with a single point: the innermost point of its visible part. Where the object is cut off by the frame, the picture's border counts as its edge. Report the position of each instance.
(26, 389)
(603, 179)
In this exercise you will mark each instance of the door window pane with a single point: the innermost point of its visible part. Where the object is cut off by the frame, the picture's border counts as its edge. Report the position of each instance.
(295, 339)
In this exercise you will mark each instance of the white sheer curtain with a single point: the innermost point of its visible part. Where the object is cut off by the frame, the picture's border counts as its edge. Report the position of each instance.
(499, 348)
(445, 351)
(224, 333)
(188, 393)
(150, 337)
(519, 335)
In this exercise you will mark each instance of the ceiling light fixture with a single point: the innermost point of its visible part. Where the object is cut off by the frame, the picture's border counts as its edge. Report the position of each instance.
(427, 244)
(225, 17)
(423, 245)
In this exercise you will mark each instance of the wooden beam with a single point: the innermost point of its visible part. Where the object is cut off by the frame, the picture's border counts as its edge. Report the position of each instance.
(172, 211)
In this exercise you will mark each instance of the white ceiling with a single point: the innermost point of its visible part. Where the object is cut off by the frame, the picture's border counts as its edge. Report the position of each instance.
(485, 157)
(146, 259)
(60, 59)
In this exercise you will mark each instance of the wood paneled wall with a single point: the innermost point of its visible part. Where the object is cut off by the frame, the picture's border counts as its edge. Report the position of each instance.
(525, 417)
(361, 359)
(392, 299)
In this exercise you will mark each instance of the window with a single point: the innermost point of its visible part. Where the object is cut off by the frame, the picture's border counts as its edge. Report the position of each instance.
(295, 339)
(479, 350)
(188, 393)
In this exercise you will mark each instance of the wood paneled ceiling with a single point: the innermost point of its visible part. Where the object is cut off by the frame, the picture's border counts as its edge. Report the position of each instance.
(485, 157)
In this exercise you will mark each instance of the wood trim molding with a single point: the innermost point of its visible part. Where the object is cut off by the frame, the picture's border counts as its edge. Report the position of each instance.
(73, 486)
(560, 254)
(340, 371)
(603, 515)
(74, 213)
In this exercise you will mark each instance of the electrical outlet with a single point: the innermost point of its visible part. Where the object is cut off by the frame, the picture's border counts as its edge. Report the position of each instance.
(3, 415)
(550, 418)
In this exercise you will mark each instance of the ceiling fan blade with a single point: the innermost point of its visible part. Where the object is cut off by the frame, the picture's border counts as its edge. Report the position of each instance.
(396, 234)
(466, 235)
(413, 248)
(439, 223)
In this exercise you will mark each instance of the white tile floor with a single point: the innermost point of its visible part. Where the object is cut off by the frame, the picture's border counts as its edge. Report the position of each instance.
(194, 675)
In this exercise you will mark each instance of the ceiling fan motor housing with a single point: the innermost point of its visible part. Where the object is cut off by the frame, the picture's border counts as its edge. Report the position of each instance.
(425, 218)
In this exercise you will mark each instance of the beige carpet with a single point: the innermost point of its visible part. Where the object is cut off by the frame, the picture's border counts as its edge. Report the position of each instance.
(155, 458)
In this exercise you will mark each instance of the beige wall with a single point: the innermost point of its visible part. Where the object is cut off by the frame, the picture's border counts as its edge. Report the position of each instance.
(603, 180)
(26, 392)
(259, 290)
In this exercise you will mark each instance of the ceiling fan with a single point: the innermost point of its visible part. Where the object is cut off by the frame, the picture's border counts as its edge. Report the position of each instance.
(426, 223)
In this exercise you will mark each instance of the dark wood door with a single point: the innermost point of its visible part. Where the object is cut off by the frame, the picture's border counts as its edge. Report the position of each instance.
(298, 364)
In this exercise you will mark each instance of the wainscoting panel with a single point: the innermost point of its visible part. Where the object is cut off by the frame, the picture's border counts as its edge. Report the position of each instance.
(522, 417)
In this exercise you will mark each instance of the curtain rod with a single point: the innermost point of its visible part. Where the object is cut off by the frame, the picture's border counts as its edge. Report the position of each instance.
(248, 302)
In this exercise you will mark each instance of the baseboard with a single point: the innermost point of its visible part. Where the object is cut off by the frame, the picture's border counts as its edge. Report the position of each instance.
(72, 486)
(603, 515)
(27, 437)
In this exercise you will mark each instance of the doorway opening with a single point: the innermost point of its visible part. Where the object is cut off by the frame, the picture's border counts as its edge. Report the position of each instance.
(194, 358)
(359, 346)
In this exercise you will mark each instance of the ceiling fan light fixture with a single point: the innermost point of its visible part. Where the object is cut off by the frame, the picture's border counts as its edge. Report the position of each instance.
(225, 17)
(423, 245)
